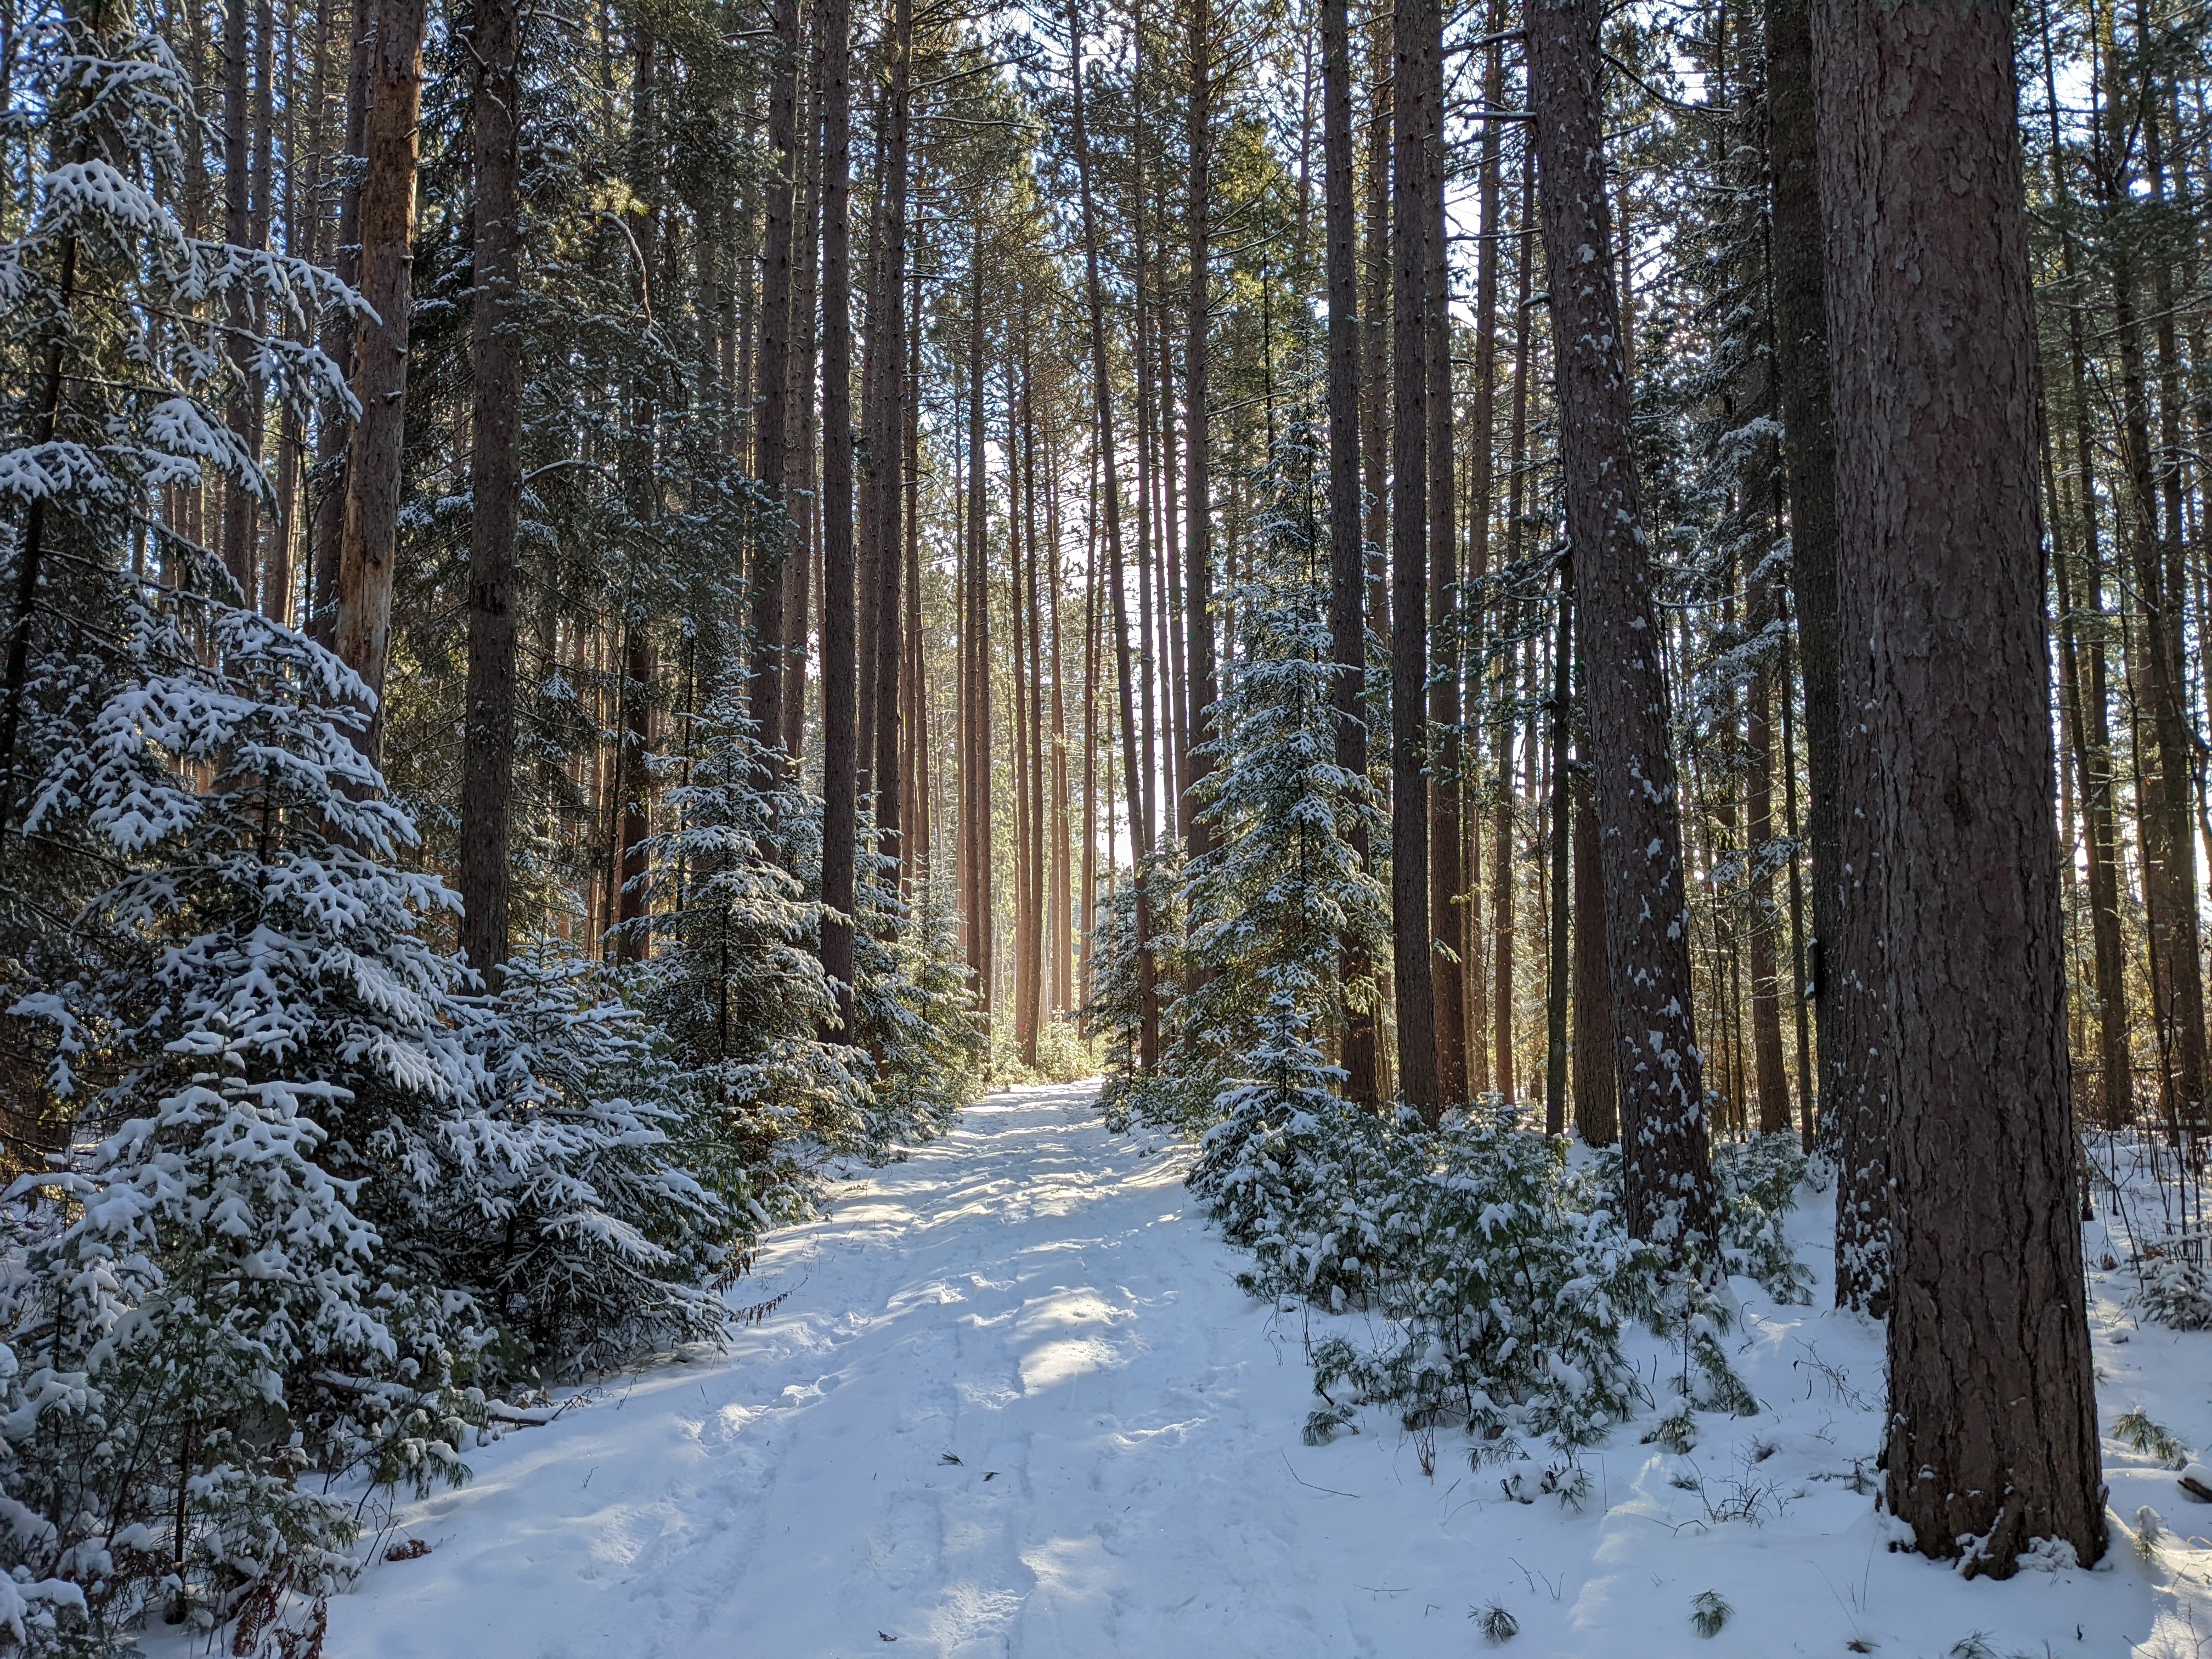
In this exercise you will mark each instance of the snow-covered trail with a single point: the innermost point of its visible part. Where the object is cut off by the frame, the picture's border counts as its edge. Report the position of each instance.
(1041, 1302)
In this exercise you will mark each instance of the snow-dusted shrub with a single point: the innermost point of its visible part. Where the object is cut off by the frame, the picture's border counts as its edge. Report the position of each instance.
(2173, 1291)
(574, 1218)
(1758, 1182)
(912, 1008)
(1501, 1288)
(236, 1280)
(734, 980)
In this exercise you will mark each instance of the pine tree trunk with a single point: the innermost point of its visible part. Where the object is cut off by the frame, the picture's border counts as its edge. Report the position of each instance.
(1196, 761)
(241, 412)
(1501, 931)
(1347, 566)
(800, 491)
(1668, 1170)
(1447, 914)
(495, 346)
(637, 467)
(887, 460)
(2091, 721)
(1598, 1110)
(370, 540)
(1770, 1073)
(1848, 1024)
(840, 778)
(772, 552)
(1556, 980)
(1415, 133)
(1992, 1426)
(1102, 403)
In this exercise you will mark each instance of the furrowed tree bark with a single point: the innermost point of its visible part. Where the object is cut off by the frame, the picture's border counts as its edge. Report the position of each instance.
(1598, 1110)
(1415, 131)
(368, 544)
(840, 778)
(495, 482)
(1667, 1174)
(1992, 1428)
(1347, 562)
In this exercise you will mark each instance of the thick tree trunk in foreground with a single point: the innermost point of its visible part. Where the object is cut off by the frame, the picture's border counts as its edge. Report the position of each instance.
(1347, 571)
(488, 764)
(1992, 1436)
(368, 543)
(1415, 126)
(1668, 1171)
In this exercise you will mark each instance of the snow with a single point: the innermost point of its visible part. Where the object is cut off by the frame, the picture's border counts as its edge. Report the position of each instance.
(1043, 1303)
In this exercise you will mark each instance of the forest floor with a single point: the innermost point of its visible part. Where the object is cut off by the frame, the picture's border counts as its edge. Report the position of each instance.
(1014, 1404)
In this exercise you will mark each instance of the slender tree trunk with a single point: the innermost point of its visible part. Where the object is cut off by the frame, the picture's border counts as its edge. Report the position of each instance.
(1102, 387)
(636, 464)
(1847, 1023)
(330, 439)
(242, 413)
(1555, 999)
(840, 778)
(799, 487)
(772, 440)
(1992, 1425)
(1502, 930)
(1415, 134)
(887, 460)
(369, 547)
(1771, 1074)
(495, 482)
(1446, 914)
(2092, 730)
(1347, 565)
(1668, 1169)
(1198, 451)
(1482, 487)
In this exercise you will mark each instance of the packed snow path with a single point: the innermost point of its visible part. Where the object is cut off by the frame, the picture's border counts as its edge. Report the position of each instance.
(1014, 1405)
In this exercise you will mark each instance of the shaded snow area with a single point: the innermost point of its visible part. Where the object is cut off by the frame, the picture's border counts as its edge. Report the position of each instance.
(1015, 1405)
